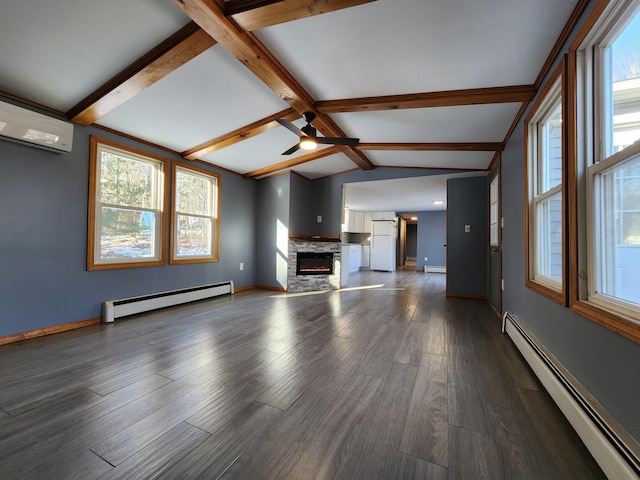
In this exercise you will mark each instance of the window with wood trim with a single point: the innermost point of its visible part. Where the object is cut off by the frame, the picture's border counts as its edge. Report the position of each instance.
(606, 229)
(194, 215)
(127, 214)
(545, 218)
(494, 209)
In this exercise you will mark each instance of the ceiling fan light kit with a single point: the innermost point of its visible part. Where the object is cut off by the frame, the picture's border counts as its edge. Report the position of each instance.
(308, 143)
(309, 139)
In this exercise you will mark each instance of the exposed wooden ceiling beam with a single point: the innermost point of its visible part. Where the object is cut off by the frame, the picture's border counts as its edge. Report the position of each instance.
(325, 152)
(450, 98)
(255, 56)
(242, 133)
(234, 7)
(451, 147)
(289, 10)
(184, 45)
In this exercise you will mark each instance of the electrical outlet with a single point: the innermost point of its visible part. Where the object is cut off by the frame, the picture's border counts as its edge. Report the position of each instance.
(319, 219)
(426, 259)
(241, 265)
(467, 228)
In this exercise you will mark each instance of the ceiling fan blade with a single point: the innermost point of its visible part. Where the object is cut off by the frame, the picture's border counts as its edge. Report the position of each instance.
(352, 142)
(287, 124)
(295, 148)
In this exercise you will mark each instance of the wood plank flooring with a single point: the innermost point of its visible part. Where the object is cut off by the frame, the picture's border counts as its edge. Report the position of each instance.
(385, 380)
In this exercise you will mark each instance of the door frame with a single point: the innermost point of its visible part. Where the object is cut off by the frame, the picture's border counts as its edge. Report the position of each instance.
(495, 170)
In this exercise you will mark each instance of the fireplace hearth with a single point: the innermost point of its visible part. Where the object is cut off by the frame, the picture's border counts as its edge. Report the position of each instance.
(314, 263)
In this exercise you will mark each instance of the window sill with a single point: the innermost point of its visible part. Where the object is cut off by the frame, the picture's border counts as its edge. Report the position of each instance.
(622, 325)
(558, 296)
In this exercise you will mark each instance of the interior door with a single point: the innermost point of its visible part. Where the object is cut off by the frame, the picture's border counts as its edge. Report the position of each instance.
(495, 240)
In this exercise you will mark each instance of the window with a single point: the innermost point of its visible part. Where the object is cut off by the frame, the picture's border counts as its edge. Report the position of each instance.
(195, 217)
(607, 168)
(545, 191)
(494, 195)
(126, 207)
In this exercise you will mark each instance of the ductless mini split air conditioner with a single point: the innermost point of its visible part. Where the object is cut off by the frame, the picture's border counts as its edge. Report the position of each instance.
(23, 126)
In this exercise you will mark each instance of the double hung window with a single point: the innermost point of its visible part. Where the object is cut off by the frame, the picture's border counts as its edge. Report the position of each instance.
(195, 219)
(545, 191)
(608, 166)
(126, 207)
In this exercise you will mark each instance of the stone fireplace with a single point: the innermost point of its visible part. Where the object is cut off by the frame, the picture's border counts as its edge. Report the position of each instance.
(314, 263)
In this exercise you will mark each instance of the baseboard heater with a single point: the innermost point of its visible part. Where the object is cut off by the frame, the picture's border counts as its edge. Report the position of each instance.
(435, 269)
(113, 309)
(617, 452)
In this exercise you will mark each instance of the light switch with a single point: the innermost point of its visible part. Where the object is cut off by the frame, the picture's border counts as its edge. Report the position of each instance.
(467, 228)
(319, 219)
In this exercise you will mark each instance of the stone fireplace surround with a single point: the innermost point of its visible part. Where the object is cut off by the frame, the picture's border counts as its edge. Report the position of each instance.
(316, 244)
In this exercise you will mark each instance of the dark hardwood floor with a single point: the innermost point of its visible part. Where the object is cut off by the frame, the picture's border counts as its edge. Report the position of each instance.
(387, 381)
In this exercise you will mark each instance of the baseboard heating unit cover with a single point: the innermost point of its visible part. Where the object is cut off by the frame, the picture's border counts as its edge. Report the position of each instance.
(617, 452)
(113, 309)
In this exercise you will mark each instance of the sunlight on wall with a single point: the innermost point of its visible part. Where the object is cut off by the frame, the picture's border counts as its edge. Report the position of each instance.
(282, 253)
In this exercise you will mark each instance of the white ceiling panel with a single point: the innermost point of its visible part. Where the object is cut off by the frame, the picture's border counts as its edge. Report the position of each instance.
(473, 123)
(210, 96)
(414, 194)
(429, 159)
(58, 52)
(323, 167)
(392, 47)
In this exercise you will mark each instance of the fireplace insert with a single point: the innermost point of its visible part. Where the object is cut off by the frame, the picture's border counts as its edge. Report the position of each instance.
(314, 263)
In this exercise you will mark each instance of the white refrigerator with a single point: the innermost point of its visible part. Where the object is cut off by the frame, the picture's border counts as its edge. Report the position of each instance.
(383, 245)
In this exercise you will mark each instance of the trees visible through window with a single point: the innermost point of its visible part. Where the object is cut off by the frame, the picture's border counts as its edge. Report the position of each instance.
(195, 219)
(126, 209)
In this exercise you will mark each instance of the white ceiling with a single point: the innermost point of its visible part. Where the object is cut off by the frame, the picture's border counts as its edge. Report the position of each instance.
(418, 193)
(63, 51)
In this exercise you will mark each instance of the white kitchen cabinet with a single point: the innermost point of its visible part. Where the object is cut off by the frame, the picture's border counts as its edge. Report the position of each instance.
(358, 222)
(364, 258)
(367, 222)
(384, 216)
(355, 257)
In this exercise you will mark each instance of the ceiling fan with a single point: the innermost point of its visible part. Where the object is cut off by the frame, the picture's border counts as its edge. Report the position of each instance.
(308, 135)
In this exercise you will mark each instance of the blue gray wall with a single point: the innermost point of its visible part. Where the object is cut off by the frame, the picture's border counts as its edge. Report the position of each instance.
(604, 362)
(300, 215)
(467, 200)
(43, 236)
(432, 236)
(272, 226)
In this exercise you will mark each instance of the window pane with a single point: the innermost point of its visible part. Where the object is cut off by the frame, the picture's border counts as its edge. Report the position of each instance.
(618, 257)
(549, 237)
(194, 236)
(126, 182)
(126, 234)
(551, 149)
(624, 116)
(493, 221)
(194, 194)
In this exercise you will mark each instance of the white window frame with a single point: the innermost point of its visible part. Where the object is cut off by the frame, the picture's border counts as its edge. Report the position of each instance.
(592, 134)
(213, 217)
(157, 208)
(547, 102)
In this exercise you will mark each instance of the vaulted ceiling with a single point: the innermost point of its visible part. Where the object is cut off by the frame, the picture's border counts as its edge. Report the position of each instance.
(421, 83)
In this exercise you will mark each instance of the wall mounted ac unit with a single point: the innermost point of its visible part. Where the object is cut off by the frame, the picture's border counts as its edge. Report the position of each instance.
(20, 125)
